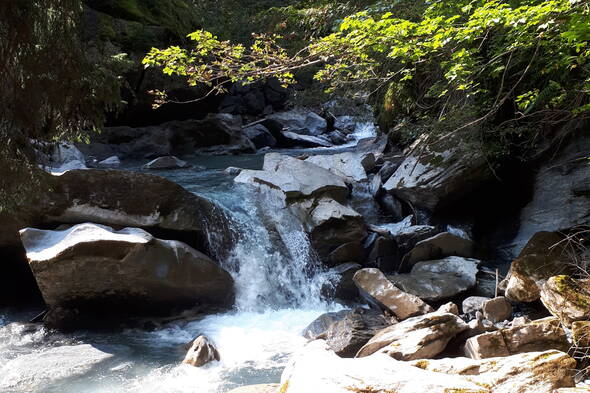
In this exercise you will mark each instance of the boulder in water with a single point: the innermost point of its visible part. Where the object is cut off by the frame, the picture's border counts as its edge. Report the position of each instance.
(342, 286)
(94, 268)
(298, 140)
(110, 162)
(166, 162)
(379, 291)
(351, 167)
(201, 352)
(301, 122)
(421, 337)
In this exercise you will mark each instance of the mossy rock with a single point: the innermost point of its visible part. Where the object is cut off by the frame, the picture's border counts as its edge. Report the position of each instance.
(567, 298)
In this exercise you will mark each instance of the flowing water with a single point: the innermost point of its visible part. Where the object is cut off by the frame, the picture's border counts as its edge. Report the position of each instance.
(278, 283)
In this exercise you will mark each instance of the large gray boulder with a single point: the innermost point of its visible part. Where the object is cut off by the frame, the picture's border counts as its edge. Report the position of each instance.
(439, 279)
(421, 337)
(301, 122)
(293, 139)
(431, 178)
(260, 136)
(89, 265)
(295, 178)
(439, 246)
(560, 197)
(352, 167)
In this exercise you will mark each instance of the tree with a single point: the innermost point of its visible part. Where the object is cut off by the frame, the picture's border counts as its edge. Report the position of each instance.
(49, 89)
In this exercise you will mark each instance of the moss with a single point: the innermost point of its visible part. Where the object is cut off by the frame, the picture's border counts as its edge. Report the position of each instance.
(423, 364)
(571, 291)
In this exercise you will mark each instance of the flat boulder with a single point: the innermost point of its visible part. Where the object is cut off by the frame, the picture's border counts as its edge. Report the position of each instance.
(438, 279)
(532, 372)
(300, 140)
(166, 162)
(379, 291)
(421, 337)
(90, 266)
(444, 244)
(567, 298)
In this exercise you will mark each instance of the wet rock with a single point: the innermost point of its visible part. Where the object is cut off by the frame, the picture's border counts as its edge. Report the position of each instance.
(329, 224)
(201, 352)
(262, 388)
(336, 137)
(439, 279)
(349, 334)
(317, 369)
(379, 291)
(347, 252)
(439, 246)
(34, 371)
(74, 269)
(534, 372)
(342, 286)
(320, 325)
(472, 304)
(539, 335)
(431, 179)
(388, 169)
(295, 178)
(352, 167)
(497, 309)
(541, 258)
(260, 136)
(421, 337)
(166, 162)
(301, 122)
(110, 162)
(232, 170)
(567, 298)
(298, 140)
(346, 124)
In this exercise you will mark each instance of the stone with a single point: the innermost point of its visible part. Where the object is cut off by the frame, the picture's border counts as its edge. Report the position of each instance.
(341, 286)
(533, 372)
(539, 335)
(439, 246)
(260, 136)
(542, 257)
(347, 336)
(299, 140)
(379, 291)
(389, 167)
(421, 337)
(520, 321)
(74, 269)
(37, 370)
(166, 162)
(472, 304)
(438, 279)
(110, 162)
(336, 137)
(449, 308)
(232, 170)
(201, 352)
(497, 309)
(431, 180)
(567, 298)
(318, 327)
(317, 369)
(581, 333)
(562, 181)
(346, 124)
(301, 122)
(383, 254)
(57, 158)
(295, 178)
(347, 252)
(351, 167)
(261, 388)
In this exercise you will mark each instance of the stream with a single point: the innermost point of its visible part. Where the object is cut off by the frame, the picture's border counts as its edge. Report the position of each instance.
(278, 282)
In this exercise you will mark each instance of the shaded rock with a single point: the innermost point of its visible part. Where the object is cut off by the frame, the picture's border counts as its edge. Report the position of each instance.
(75, 267)
(347, 252)
(295, 178)
(336, 137)
(581, 333)
(497, 309)
(388, 169)
(350, 166)
(299, 140)
(346, 124)
(438, 279)
(317, 369)
(59, 157)
(342, 286)
(439, 246)
(538, 335)
(379, 291)
(260, 136)
(301, 122)
(420, 337)
(34, 371)
(430, 179)
(166, 162)
(472, 304)
(262, 388)
(201, 352)
(567, 298)
(534, 372)
(383, 255)
(541, 258)
(110, 162)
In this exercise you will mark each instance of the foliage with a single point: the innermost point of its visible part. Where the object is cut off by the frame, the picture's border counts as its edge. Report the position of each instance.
(49, 90)
(506, 62)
